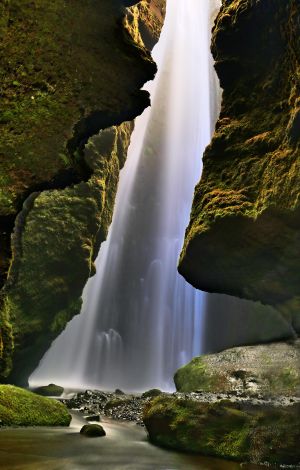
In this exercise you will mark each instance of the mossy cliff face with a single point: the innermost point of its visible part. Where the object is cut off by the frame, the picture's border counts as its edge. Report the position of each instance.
(268, 370)
(243, 237)
(235, 429)
(69, 70)
(56, 239)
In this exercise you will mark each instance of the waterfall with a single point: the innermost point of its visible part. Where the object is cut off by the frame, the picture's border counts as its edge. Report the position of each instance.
(140, 320)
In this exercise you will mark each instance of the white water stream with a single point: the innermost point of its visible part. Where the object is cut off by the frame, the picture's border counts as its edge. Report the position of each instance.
(140, 320)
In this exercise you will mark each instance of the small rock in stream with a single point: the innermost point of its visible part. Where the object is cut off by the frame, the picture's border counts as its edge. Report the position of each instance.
(92, 418)
(92, 430)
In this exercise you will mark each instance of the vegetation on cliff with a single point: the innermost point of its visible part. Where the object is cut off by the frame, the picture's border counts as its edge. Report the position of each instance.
(243, 237)
(67, 72)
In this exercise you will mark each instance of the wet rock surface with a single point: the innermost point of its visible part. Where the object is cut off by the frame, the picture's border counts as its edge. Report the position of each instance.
(50, 390)
(236, 426)
(55, 162)
(92, 430)
(94, 404)
(231, 426)
(243, 234)
(260, 370)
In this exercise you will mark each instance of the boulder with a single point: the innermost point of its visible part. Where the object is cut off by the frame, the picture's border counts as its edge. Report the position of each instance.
(93, 418)
(19, 407)
(92, 430)
(154, 392)
(238, 429)
(50, 390)
(266, 369)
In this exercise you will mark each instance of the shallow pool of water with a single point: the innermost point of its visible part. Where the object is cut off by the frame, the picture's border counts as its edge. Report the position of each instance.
(125, 447)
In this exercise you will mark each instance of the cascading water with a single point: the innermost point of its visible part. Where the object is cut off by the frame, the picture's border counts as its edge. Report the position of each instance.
(140, 320)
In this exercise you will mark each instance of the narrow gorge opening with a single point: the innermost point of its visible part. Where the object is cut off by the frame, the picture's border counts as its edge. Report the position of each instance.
(140, 319)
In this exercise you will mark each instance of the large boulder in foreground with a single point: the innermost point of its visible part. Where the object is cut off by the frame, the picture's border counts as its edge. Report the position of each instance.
(19, 407)
(237, 428)
(241, 404)
(267, 369)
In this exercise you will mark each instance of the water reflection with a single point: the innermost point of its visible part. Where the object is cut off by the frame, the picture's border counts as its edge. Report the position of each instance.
(124, 448)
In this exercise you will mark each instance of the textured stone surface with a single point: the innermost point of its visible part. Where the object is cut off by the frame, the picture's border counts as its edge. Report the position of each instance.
(83, 72)
(92, 430)
(231, 428)
(144, 21)
(19, 407)
(55, 242)
(50, 390)
(61, 64)
(243, 237)
(268, 370)
(128, 407)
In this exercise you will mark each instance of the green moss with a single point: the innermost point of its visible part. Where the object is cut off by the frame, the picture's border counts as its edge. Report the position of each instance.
(211, 429)
(40, 306)
(51, 104)
(268, 369)
(6, 339)
(225, 429)
(19, 407)
(286, 379)
(196, 376)
(46, 95)
(242, 239)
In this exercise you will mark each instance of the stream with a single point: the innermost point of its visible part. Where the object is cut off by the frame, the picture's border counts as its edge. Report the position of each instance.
(125, 447)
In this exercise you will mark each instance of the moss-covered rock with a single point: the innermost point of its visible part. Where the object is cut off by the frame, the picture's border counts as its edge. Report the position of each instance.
(50, 390)
(154, 392)
(92, 430)
(19, 407)
(55, 242)
(61, 64)
(268, 370)
(230, 429)
(68, 72)
(243, 237)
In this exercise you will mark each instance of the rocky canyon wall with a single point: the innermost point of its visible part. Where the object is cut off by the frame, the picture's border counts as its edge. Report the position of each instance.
(71, 78)
(243, 237)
